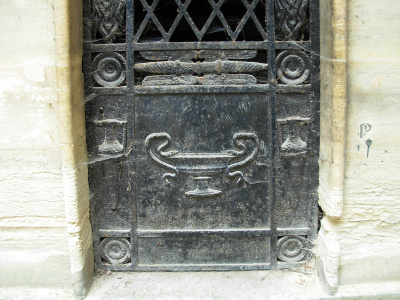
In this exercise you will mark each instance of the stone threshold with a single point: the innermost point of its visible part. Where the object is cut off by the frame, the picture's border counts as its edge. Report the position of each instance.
(301, 283)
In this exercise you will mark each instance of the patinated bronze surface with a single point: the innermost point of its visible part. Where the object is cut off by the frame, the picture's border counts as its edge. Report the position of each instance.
(203, 132)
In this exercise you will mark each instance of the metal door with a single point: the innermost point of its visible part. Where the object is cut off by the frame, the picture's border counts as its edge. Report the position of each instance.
(202, 132)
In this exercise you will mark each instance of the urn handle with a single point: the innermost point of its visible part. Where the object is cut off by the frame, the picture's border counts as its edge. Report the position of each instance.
(238, 139)
(162, 136)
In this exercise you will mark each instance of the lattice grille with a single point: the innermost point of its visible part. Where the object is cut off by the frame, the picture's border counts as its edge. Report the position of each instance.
(151, 25)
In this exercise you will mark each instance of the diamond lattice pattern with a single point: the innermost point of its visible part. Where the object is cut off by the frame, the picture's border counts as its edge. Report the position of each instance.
(199, 20)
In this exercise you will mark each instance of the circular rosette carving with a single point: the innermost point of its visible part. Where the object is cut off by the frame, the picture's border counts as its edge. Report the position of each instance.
(291, 248)
(116, 251)
(109, 69)
(293, 67)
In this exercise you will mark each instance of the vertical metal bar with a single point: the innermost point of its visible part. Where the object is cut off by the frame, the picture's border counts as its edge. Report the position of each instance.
(130, 101)
(95, 227)
(129, 47)
(272, 123)
(87, 36)
(315, 85)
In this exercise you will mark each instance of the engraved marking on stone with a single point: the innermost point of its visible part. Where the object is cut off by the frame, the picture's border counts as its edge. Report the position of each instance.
(109, 69)
(290, 127)
(368, 143)
(109, 16)
(116, 251)
(203, 165)
(111, 145)
(291, 248)
(293, 67)
(364, 128)
(291, 16)
(223, 79)
(218, 67)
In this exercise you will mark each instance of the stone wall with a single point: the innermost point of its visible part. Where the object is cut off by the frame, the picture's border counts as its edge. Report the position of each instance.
(370, 225)
(45, 235)
(359, 239)
(33, 238)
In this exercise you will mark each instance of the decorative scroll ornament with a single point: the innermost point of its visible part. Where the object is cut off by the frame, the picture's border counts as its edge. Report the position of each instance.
(291, 16)
(291, 248)
(109, 69)
(203, 165)
(293, 67)
(109, 15)
(115, 251)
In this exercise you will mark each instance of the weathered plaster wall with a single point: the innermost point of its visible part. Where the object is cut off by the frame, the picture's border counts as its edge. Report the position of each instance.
(45, 234)
(370, 225)
(359, 239)
(33, 233)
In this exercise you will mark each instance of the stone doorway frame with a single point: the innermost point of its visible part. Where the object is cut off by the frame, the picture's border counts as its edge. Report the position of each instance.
(69, 50)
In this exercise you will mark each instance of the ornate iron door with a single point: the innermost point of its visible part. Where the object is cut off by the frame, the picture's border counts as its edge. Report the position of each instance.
(202, 132)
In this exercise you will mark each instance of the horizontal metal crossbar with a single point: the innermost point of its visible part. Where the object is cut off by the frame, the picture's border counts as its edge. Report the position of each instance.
(199, 46)
(203, 233)
(259, 88)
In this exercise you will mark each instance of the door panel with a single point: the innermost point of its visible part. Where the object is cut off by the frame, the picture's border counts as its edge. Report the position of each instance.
(202, 132)
(202, 123)
(203, 251)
